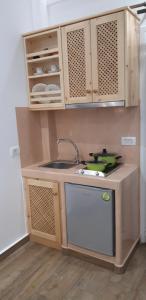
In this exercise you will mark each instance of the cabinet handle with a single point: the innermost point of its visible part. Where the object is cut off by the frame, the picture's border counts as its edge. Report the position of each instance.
(55, 194)
(88, 91)
(95, 91)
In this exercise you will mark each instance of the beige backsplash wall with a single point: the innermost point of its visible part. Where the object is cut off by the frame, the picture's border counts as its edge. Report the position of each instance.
(92, 130)
(95, 129)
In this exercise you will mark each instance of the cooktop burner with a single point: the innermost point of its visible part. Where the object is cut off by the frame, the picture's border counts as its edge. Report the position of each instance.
(107, 171)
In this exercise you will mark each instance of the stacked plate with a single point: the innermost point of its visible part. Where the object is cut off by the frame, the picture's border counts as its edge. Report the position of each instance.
(41, 87)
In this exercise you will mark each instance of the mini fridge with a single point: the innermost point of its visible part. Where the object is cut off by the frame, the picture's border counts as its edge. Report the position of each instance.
(91, 218)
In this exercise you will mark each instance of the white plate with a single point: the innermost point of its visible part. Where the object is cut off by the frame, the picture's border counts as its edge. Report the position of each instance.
(39, 87)
(50, 72)
(52, 87)
(38, 74)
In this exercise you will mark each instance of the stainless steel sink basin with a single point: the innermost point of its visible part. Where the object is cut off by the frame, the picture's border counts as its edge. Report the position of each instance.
(59, 165)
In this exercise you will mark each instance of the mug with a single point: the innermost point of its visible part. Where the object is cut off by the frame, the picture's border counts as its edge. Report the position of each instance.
(39, 70)
(54, 68)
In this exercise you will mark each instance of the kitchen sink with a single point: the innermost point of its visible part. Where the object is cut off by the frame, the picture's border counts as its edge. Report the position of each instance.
(59, 165)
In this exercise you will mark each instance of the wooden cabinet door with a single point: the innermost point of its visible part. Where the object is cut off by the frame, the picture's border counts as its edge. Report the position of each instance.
(107, 44)
(43, 212)
(77, 62)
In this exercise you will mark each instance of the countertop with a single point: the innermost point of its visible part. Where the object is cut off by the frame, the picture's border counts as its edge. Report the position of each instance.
(69, 175)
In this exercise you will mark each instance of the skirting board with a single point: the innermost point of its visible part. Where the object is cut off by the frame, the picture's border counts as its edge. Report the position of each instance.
(88, 258)
(14, 247)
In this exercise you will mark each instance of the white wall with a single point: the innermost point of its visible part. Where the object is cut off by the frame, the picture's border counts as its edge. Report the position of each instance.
(58, 11)
(71, 9)
(143, 131)
(15, 18)
(40, 13)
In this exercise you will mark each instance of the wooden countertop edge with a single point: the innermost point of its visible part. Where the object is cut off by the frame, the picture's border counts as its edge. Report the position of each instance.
(112, 181)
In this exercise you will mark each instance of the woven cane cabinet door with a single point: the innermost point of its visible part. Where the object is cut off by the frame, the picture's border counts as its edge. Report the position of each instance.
(44, 211)
(77, 62)
(108, 46)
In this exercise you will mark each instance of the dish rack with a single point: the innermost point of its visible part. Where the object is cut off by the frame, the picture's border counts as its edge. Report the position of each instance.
(42, 51)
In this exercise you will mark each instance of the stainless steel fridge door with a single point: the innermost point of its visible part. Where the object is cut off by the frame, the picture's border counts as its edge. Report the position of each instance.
(90, 218)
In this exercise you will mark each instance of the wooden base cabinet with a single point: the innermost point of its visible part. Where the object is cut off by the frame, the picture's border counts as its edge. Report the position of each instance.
(43, 212)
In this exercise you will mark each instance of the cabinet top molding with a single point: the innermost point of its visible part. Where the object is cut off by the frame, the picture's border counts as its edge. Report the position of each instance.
(37, 32)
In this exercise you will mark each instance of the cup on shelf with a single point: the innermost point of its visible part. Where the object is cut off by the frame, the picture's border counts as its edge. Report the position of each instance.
(39, 71)
(54, 68)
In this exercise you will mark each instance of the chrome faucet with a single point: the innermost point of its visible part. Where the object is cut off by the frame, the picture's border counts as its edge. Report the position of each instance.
(77, 157)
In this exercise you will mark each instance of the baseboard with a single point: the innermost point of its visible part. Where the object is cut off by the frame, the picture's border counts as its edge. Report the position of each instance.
(44, 241)
(123, 268)
(14, 247)
(90, 259)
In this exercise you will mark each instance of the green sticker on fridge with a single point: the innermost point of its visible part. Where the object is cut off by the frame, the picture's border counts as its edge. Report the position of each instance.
(106, 196)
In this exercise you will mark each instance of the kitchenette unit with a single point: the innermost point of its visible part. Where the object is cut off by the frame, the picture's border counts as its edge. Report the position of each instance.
(80, 173)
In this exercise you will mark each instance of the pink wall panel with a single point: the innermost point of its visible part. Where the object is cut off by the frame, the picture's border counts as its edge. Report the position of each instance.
(95, 129)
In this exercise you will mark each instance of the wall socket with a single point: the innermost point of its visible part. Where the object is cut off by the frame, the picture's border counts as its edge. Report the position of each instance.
(14, 151)
(128, 140)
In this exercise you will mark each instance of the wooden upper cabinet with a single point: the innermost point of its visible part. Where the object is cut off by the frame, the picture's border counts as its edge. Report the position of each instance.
(97, 60)
(101, 59)
(77, 62)
(107, 46)
(44, 70)
(132, 60)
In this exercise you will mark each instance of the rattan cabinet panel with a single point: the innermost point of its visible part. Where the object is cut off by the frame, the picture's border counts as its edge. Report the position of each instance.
(43, 209)
(77, 62)
(107, 55)
(107, 39)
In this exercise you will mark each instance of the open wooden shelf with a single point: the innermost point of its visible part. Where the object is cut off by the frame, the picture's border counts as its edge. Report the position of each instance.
(46, 106)
(41, 59)
(38, 57)
(44, 75)
(46, 100)
(49, 97)
(45, 93)
(41, 53)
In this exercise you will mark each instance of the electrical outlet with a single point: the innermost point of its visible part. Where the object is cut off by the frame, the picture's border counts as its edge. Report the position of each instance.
(14, 151)
(128, 140)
